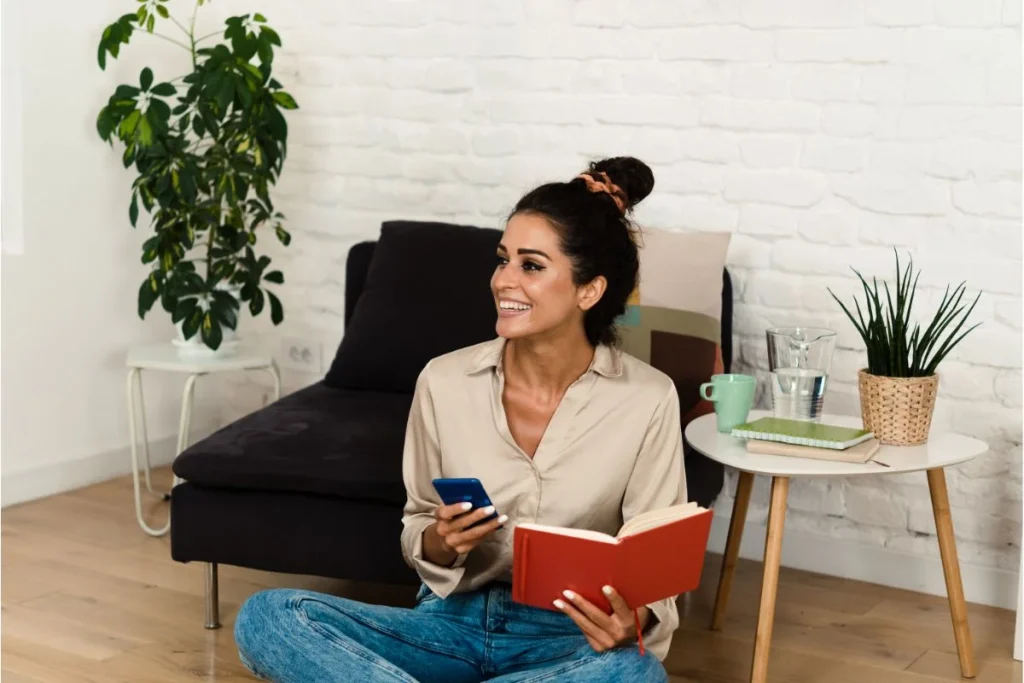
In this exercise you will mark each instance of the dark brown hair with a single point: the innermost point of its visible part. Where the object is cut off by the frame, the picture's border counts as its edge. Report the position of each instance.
(596, 235)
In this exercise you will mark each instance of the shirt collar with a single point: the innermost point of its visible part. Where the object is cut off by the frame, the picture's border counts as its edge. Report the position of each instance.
(607, 360)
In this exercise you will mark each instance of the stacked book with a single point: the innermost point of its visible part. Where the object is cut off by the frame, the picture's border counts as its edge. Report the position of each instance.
(777, 436)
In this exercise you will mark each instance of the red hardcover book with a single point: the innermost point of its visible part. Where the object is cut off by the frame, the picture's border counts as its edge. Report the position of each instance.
(656, 555)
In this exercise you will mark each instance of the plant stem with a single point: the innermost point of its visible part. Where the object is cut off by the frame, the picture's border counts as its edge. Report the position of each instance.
(195, 66)
(171, 40)
(192, 37)
(208, 35)
(178, 24)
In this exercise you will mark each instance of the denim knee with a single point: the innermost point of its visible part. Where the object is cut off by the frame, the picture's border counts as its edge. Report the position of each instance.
(650, 669)
(627, 664)
(255, 626)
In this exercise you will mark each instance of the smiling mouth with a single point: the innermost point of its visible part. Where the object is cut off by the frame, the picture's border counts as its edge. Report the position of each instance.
(513, 307)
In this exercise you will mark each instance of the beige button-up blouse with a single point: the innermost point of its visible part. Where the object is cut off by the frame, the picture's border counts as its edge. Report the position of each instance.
(613, 449)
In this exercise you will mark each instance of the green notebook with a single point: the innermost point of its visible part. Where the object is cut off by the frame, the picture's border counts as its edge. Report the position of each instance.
(802, 433)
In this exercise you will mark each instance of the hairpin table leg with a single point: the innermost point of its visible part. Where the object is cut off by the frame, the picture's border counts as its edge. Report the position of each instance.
(135, 383)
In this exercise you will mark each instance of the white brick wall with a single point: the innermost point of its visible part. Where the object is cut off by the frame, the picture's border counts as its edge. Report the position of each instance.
(799, 125)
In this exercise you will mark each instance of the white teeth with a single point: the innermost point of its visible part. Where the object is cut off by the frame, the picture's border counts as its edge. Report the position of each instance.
(513, 306)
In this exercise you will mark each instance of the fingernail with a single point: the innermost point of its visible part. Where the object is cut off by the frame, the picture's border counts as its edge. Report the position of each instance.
(502, 519)
(489, 510)
(467, 506)
(607, 590)
(559, 604)
(569, 594)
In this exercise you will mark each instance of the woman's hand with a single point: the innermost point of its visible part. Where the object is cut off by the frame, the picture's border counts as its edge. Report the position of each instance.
(603, 631)
(449, 536)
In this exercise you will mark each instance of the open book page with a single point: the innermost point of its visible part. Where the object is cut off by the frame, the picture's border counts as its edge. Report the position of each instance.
(578, 533)
(642, 522)
(655, 518)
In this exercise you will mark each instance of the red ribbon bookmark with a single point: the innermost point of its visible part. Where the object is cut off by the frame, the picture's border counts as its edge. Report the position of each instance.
(639, 635)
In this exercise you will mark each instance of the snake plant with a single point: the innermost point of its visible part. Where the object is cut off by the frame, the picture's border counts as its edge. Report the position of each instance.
(895, 347)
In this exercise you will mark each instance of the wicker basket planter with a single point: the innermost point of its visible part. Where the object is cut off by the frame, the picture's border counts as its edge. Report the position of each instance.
(897, 409)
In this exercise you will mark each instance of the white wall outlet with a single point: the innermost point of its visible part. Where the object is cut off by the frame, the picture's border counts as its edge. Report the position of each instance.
(302, 355)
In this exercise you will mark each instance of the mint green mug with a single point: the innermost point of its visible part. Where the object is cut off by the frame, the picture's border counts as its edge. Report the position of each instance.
(733, 396)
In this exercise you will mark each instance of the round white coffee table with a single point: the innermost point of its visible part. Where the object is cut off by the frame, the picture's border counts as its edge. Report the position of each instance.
(166, 357)
(941, 451)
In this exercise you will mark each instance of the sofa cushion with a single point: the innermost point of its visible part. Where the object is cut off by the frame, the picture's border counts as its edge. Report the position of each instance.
(317, 440)
(674, 320)
(427, 292)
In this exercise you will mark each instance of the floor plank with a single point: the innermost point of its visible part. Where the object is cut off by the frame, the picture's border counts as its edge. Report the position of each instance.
(36, 662)
(97, 642)
(87, 597)
(945, 666)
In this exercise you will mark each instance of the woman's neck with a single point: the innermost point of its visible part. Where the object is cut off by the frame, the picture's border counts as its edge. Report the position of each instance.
(547, 366)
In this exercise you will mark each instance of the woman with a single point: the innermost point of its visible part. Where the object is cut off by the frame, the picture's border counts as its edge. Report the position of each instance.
(561, 428)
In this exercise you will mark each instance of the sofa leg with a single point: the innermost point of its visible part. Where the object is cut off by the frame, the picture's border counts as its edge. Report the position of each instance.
(212, 598)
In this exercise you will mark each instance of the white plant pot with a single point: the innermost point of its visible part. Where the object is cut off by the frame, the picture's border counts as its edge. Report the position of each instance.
(195, 348)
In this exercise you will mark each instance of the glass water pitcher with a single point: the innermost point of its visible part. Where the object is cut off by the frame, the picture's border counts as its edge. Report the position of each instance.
(799, 359)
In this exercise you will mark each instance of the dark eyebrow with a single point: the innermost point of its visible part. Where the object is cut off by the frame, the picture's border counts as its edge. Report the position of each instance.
(522, 252)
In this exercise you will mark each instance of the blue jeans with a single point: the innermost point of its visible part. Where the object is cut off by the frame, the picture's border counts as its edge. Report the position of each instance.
(292, 636)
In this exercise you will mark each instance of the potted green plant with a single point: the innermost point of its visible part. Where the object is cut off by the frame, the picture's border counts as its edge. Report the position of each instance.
(206, 147)
(899, 385)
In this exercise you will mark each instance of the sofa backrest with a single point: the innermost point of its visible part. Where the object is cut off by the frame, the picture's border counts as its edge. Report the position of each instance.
(420, 291)
(361, 255)
(356, 267)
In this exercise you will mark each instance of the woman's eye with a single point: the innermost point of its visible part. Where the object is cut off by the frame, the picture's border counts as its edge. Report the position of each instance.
(530, 265)
(502, 261)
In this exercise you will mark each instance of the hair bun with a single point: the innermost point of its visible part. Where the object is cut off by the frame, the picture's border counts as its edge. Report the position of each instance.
(633, 177)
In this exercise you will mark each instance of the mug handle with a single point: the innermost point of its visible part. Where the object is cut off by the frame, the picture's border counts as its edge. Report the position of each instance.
(703, 393)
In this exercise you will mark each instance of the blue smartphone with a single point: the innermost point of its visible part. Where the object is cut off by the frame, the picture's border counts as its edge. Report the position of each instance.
(455, 490)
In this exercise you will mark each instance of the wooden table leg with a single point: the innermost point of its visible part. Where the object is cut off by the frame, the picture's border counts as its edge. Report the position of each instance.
(951, 570)
(770, 581)
(744, 486)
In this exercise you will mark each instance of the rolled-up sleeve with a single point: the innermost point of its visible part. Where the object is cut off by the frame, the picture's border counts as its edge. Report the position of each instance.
(659, 480)
(421, 464)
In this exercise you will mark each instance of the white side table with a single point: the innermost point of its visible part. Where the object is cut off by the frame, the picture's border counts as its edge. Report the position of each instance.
(165, 357)
(941, 451)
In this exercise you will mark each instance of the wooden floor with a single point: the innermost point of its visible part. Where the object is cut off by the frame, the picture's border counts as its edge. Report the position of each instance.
(86, 596)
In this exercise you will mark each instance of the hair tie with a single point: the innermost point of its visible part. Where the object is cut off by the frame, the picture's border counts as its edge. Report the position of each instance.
(607, 186)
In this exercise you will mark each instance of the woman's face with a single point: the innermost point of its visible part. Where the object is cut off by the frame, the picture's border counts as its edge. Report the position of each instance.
(533, 286)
